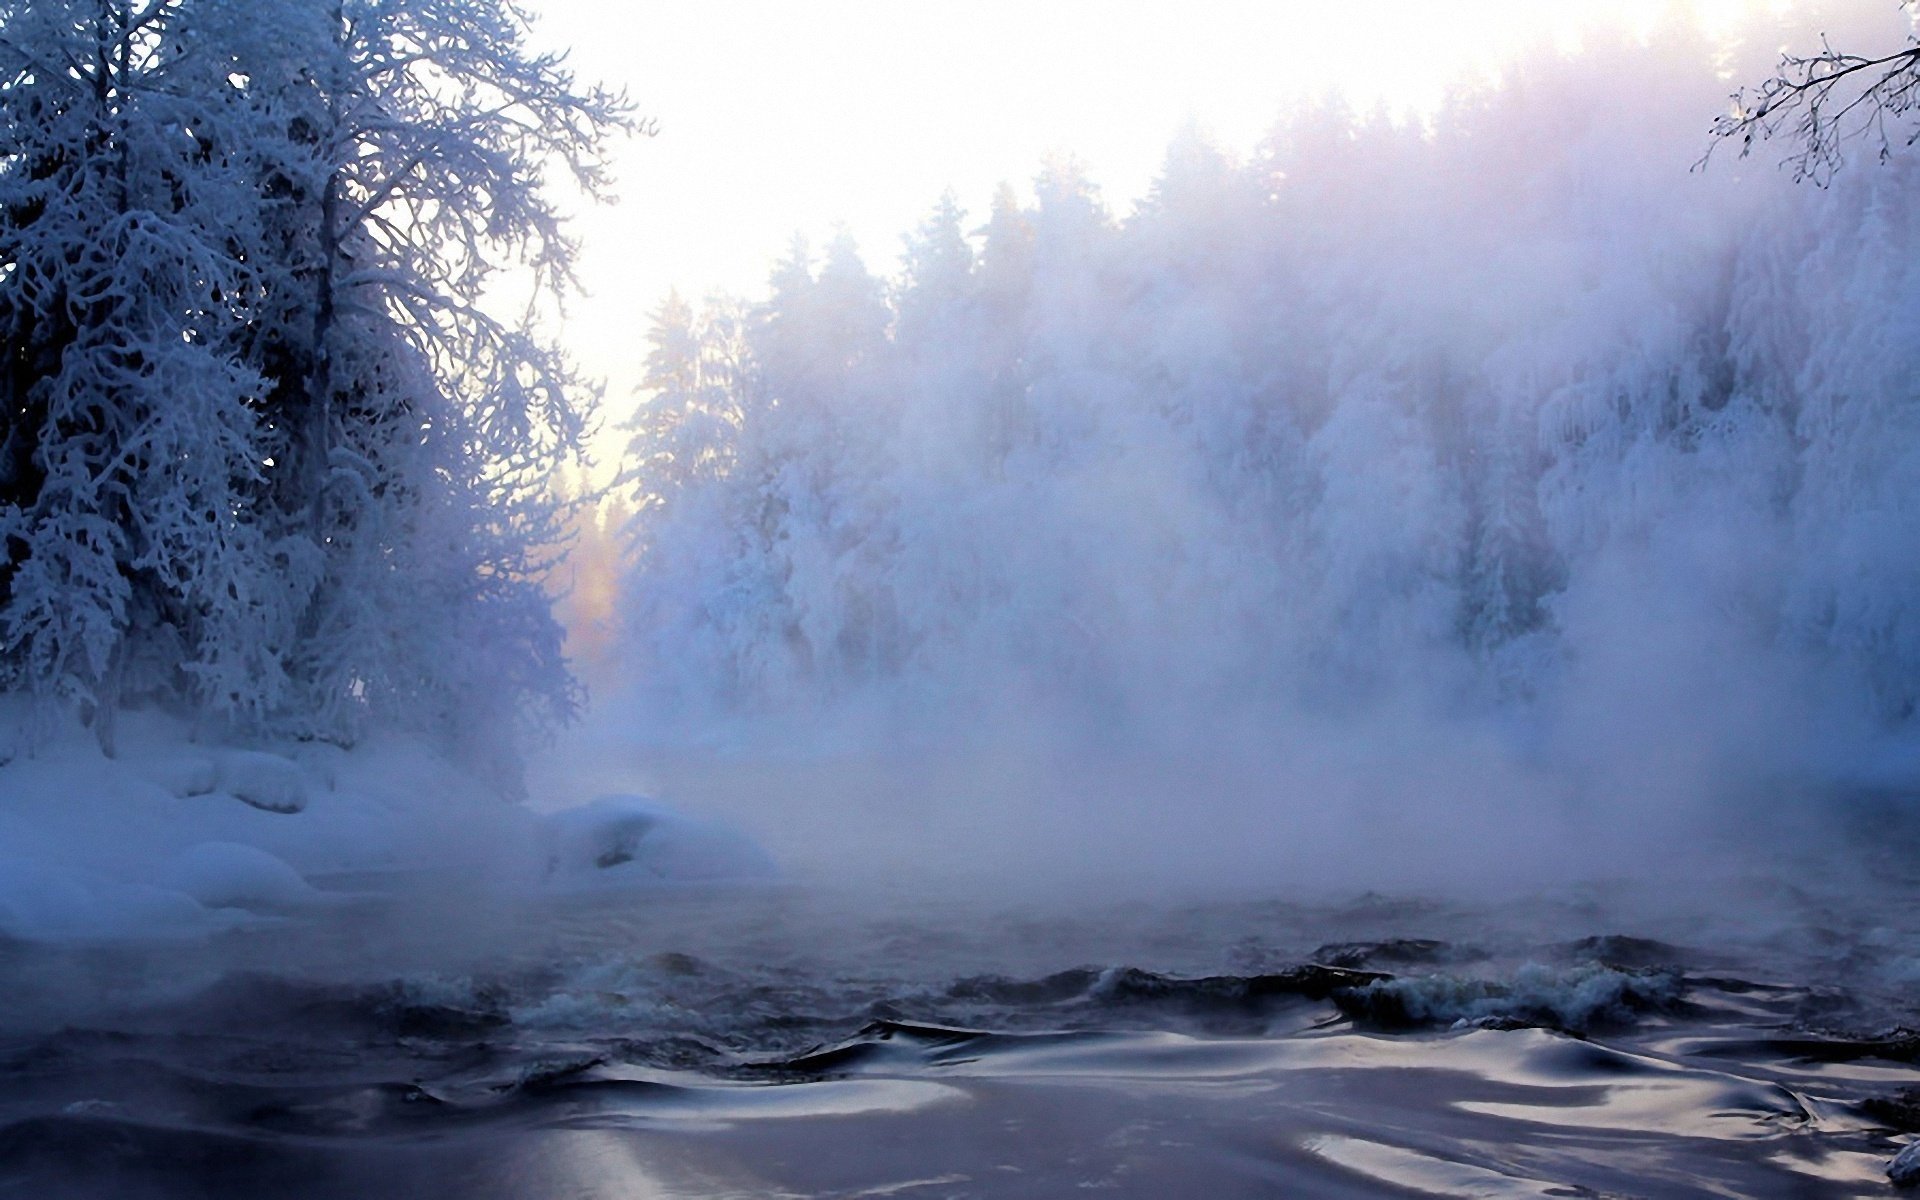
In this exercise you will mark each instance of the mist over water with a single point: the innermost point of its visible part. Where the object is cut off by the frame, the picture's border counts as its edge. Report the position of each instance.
(1458, 506)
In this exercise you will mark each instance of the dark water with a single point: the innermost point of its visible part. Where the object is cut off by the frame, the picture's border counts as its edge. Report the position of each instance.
(797, 1042)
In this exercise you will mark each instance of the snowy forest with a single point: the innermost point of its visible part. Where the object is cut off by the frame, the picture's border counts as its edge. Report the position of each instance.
(1513, 415)
(268, 458)
(1481, 414)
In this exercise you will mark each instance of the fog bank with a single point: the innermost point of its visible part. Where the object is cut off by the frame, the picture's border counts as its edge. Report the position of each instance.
(1512, 491)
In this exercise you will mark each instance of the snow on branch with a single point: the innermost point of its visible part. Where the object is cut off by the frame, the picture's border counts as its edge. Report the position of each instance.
(1824, 101)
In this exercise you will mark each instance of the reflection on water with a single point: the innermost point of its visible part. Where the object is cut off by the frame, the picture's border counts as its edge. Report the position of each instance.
(797, 1043)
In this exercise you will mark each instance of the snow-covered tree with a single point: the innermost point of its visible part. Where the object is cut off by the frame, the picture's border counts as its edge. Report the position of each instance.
(684, 433)
(428, 428)
(133, 561)
(1444, 417)
(268, 453)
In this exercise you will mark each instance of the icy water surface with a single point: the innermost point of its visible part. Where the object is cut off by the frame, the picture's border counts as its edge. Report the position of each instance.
(795, 1042)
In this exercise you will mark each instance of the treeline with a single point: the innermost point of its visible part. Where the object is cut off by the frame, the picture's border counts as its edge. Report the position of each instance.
(1449, 414)
(264, 455)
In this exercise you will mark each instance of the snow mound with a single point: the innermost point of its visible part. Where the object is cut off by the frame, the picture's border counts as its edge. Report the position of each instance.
(266, 781)
(176, 838)
(40, 902)
(182, 775)
(152, 844)
(625, 839)
(231, 875)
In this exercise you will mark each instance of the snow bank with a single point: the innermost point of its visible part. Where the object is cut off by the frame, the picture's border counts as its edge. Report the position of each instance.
(175, 839)
(232, 875)
(60, 901)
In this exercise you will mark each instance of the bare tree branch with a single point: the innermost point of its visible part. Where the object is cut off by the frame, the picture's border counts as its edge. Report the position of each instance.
(1823, 102)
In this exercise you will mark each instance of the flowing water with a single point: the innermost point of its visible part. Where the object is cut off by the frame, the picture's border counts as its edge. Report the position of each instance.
(811, 1041)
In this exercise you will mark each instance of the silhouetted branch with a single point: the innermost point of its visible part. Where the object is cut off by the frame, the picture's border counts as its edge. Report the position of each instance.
(1822, 102)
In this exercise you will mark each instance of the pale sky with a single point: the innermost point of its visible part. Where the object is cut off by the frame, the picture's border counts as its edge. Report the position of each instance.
(800, 116)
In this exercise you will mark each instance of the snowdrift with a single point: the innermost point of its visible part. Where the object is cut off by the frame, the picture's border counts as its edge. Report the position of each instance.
(178, 839)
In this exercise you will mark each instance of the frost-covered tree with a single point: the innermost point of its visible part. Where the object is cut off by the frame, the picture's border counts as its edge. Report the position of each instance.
(685, 434)
(936, 281)
(428, 428)
(131, 473)
(1442, 417)
(267, 452)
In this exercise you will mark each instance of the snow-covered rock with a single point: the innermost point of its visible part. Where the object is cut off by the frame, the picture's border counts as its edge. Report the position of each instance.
(266, 781)
(183, 774)
(634, 839)
(58, 903)
(231, 875)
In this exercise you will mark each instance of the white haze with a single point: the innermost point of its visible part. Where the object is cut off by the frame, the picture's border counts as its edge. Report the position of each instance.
(1476, 506)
